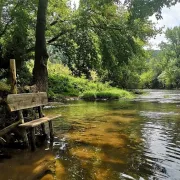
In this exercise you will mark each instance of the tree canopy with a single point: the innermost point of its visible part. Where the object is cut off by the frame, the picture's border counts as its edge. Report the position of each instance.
(102, 36)
(144, 8)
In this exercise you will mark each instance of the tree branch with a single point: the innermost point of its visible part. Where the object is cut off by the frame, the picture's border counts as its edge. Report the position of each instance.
(59, 35)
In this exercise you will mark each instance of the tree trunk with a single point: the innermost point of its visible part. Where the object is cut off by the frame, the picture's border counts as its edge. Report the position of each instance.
(40, 73)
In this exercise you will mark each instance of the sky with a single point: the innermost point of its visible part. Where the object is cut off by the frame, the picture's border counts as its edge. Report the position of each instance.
(171, 18)
(75, 2)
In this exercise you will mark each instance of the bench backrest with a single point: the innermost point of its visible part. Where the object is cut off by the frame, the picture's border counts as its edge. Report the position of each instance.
(26, 100)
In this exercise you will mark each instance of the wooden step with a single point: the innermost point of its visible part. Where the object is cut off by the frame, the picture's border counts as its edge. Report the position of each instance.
(38, 122)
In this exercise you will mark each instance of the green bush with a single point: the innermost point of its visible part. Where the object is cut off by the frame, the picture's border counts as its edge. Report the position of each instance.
(109, 94)
(89, 95)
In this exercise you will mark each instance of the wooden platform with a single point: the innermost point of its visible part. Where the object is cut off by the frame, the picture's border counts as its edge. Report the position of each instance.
(38, 122)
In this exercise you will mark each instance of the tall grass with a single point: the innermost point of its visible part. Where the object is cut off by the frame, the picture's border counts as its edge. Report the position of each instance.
(109, 94)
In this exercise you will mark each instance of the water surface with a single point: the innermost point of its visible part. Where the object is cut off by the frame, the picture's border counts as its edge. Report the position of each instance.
(129, 139)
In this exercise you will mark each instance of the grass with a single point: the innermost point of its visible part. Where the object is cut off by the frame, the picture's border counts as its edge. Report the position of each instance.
(109, 94)
(89, 95)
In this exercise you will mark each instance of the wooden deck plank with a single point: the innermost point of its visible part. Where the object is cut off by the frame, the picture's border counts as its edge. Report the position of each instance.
(38, 122)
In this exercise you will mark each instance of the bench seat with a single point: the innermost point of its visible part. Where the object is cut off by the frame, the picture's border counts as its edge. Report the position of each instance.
(38, 122)
(24, 101)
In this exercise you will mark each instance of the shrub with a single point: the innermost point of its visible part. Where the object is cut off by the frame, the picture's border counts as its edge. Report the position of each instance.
(109, 94)
(89, 95)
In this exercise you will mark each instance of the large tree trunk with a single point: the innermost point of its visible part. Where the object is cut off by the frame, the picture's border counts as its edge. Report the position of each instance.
(40, 72)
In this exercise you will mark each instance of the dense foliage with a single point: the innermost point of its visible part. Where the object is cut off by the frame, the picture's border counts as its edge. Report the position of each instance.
(62, 83)
(144, 8)
(164, 66)
(103, 36)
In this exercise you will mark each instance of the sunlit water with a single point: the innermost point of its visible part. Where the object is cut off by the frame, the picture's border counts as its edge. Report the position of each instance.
(137, 139)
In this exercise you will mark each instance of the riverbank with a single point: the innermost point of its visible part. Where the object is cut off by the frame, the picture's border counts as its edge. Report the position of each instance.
(106, 95)
(63, 85)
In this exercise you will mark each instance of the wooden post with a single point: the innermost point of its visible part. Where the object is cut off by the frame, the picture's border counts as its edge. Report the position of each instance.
(13, 76)
(14, 91)
(51, 130)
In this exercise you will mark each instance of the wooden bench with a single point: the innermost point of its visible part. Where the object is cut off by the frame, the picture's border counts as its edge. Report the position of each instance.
(20, 102)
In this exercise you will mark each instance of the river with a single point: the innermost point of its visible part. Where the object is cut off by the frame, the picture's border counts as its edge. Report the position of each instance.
(127, 139)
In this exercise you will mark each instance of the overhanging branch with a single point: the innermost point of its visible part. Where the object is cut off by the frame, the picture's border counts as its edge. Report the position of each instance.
(59, 35)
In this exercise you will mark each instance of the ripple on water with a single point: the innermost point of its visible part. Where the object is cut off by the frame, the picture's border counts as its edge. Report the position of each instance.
(160, 96)
(163, 154)
(156, 114)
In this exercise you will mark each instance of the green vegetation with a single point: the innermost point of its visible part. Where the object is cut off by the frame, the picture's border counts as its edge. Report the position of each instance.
(107, 94)
(163, 68)
(105, 38)
(95, 51)
(4, 87)
(62, 83)
(68, 85)
(97, 36)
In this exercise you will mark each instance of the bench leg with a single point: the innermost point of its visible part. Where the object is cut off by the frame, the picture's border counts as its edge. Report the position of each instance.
(51, 130)
(43, 129)
(32, 139)
(25, 137)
